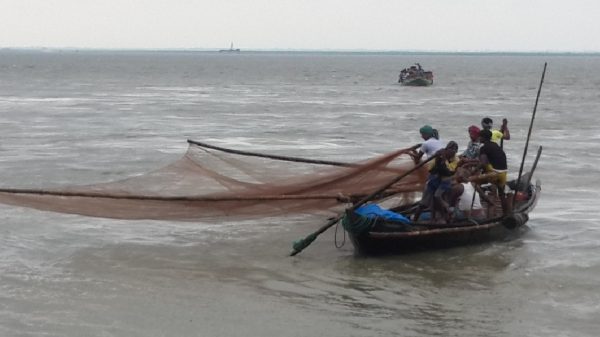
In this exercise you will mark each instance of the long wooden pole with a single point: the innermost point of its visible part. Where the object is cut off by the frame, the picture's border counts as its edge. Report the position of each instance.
(530, 127)
(303, 243)
(262, 155)
(276, 157)
(208, 198)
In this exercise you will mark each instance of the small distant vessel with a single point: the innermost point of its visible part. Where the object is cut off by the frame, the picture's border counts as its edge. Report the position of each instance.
(415, 76)
(230, 50)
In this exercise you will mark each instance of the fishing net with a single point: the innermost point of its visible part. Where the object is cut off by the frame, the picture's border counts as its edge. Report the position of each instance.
(208, 183)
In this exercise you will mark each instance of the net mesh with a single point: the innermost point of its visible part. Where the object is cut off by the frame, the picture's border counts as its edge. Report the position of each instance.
(208, 184)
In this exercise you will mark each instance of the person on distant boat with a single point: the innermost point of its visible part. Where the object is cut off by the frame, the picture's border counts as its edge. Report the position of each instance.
(403, 75)
(420, 70)
(439, 183)
(431, 144)
(497, 135)
(493, 160)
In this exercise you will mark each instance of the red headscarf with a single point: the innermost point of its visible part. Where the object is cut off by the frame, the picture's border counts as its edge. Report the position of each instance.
(474, 131)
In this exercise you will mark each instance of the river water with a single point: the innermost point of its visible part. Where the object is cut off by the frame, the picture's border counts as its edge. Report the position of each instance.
(79, 117)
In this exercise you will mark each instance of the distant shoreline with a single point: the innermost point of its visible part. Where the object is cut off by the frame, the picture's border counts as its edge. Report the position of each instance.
(294, 51)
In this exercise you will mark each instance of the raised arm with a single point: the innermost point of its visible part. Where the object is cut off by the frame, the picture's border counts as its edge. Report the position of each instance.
(504, 129)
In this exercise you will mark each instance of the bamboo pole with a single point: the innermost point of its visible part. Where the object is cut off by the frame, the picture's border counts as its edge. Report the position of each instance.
(530, 128)
(42, 192)
(537, 157)
(276, 157)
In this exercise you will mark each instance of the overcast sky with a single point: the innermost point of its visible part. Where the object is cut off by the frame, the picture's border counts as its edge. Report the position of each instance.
(421, 25)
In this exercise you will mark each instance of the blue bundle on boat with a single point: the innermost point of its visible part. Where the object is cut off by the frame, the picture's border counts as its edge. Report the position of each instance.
(374, 211)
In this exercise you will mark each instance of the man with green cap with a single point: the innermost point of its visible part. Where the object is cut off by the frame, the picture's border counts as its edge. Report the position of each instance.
(430, 146)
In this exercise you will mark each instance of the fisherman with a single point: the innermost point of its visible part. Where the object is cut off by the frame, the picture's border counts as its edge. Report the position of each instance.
(419, 69)
(497, 135)
(469, 159)
(493, 160)
(403, 75)
(472, 150)
(466, 197)
(431, 143)
(439, 183)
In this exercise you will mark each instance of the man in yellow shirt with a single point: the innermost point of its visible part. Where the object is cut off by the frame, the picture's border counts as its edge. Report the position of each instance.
(439, 182)
(497, 135)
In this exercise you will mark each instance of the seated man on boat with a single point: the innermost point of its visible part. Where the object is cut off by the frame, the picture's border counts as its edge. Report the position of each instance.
(493, 160)
(439, 183)
(497, 135)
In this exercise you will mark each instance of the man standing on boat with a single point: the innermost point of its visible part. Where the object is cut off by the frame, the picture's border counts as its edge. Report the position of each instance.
(439, 183)
(430, 146)
(497, 135)
(493, 160)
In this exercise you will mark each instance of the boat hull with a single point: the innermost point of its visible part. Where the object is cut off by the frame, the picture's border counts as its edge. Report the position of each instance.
(383, 238)
(417, 82)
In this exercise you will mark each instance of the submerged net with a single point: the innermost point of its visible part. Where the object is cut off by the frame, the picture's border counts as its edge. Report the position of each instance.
(207, 183)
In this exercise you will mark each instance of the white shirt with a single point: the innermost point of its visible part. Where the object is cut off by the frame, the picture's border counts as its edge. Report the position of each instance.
(431, 146)
(466, 199)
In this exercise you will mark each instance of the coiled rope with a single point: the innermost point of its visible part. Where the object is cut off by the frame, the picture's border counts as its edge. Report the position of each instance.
(359, 226)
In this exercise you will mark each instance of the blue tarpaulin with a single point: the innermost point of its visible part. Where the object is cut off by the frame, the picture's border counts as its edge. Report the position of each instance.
(373, 210)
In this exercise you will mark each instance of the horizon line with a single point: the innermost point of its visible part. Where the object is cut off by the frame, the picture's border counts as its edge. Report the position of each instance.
(302, 50)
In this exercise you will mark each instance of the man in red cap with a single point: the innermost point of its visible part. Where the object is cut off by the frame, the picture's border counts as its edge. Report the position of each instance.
(472, 151)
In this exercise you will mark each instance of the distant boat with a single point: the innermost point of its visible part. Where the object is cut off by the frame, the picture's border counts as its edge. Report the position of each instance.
(415, 76)
(230, 50)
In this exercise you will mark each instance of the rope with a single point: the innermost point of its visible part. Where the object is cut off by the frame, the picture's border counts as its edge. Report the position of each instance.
(335, 237)
(360, 226)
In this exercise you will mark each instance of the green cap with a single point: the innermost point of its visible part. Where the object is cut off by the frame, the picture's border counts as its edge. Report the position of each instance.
(426, 130)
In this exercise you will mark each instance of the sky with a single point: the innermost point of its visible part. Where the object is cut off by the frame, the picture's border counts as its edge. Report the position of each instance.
(391, 25)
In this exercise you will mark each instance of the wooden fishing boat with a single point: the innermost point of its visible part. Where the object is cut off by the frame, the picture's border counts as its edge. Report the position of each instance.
(376, 236)
(415, 76)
